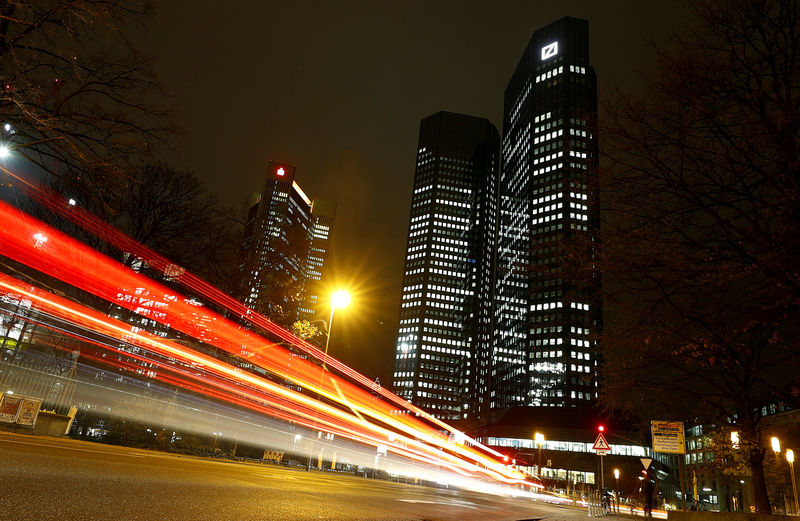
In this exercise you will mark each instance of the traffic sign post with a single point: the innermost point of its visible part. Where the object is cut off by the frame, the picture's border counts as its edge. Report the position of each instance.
(669, 437)
(602, 447)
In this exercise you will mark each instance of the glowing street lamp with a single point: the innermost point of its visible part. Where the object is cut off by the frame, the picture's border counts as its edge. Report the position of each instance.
(790, 459)
(616, 492)
(5, 151)
(339, 299)
(776, 447)
(538, 439)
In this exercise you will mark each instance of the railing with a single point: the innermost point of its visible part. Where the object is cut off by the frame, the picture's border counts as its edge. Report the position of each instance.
(54, 386)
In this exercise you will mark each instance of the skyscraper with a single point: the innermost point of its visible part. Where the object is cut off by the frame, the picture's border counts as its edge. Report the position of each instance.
(445, 332)
(285, 246)
(543, 353)
(322, 214)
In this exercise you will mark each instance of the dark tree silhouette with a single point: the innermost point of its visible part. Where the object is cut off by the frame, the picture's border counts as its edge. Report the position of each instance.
(78, 98)
(700, 249)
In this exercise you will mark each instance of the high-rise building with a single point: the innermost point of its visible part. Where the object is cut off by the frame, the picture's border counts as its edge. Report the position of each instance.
(543, 353)
(285, 245)
(322, 213)
(445, 331)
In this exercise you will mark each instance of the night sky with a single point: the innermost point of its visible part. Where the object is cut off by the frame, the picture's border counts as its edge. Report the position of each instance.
(339, 88)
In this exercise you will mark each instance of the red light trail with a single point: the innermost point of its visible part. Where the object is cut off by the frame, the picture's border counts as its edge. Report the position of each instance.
(359, 415)
(56, 203)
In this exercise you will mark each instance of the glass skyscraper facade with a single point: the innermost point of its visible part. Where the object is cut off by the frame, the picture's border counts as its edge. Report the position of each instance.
(543, 353)
(445, 332)
(285, 246)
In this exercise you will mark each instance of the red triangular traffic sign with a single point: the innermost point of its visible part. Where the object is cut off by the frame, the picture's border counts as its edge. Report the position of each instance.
(600, 443)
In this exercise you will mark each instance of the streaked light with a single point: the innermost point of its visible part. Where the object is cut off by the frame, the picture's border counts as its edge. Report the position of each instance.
(5, 151)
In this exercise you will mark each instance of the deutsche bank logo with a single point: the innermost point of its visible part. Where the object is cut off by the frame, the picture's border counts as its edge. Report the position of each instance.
(550, 50)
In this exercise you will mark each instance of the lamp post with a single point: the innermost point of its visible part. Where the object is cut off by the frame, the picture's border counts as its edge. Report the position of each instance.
(538, 439)
(616, 490)
(776, 448)
(790, 459)
(339, 299)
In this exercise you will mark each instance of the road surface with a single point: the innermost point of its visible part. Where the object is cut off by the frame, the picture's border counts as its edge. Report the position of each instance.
(60, 479)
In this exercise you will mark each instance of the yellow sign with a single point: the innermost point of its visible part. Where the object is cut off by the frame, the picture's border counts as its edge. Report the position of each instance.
(273, 455)
(668, 437)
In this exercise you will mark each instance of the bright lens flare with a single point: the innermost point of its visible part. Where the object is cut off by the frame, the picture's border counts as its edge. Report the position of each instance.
(5, 151)
(340, 299)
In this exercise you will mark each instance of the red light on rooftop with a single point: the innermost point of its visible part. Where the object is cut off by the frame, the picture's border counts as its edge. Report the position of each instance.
(601, 428)
(280, 172)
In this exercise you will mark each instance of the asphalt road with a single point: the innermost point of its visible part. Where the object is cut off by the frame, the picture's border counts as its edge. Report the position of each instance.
(59, 479)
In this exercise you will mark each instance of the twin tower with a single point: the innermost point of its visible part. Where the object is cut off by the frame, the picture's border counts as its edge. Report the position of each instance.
(489, 318)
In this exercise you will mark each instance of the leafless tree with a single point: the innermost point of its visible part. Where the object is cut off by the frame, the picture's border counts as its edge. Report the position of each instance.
(76, 98)
(700, 250)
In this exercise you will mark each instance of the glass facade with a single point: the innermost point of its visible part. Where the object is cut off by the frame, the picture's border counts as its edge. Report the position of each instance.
(544, 354)
(285, 246)
(445, 332)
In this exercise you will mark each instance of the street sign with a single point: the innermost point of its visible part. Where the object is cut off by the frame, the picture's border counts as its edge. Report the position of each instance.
(668, 437)
(600, 444)
(646, 462)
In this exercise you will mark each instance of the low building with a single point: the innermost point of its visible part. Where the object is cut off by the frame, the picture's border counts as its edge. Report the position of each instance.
(564, 458)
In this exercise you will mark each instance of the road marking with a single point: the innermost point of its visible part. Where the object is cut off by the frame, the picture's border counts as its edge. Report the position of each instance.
(74, 448)
(462, 505)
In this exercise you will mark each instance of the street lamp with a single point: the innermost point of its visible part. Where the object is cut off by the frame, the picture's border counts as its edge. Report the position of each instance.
(790, 459)
(776, 445)
(538, 439)
(616, 491)
(339, 299)
(776, 448)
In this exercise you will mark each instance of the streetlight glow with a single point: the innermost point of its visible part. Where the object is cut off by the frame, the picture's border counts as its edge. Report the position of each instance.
(340, 299)
(790, 455)
(776, 444)
(5, 151)
(616, 473)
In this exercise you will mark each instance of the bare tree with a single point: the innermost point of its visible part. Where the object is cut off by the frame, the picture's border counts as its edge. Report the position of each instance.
(76, 98)
(700, 251)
